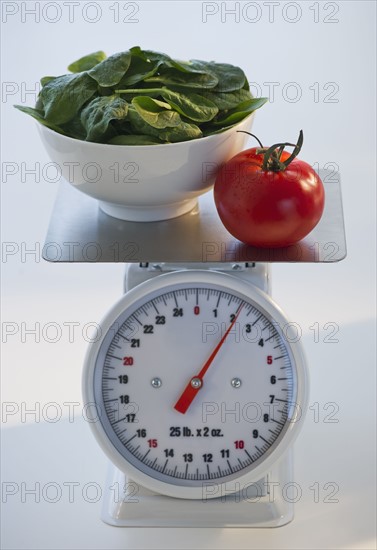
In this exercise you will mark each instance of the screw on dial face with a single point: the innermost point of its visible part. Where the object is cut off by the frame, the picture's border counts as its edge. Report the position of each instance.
(226, 384)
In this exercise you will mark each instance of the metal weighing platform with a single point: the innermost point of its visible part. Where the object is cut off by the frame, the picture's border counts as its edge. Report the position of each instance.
(80, 232)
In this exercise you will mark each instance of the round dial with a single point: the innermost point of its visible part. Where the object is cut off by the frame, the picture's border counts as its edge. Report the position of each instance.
(194, 382)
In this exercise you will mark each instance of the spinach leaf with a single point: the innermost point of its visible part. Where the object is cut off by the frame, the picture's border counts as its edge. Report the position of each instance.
(192, 106)
(87, 62)
(105, 91)
(241, 111)
(185, 80)
(38, 115)
(149, 56)
(45, 79)
(139, 69)
(151, 92)
(138, 124)
(39, 104)
(110, 71)
(133, 140)
(211, 130)
(228, 100)
(167, 61)
(64, 96)
(191, 66)
(183, 132)
(74, 129)
(230, 78)
(97, 115)
(155, 113)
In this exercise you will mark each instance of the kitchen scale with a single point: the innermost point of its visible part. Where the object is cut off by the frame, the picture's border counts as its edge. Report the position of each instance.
(198, 386)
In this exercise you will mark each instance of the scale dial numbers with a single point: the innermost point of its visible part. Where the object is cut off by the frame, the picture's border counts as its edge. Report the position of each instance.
(157, 346)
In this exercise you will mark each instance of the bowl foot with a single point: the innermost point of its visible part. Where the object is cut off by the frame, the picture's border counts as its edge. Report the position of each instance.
(147, 213)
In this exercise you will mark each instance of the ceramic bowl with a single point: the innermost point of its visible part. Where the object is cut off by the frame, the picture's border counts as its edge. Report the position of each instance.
(147, 182)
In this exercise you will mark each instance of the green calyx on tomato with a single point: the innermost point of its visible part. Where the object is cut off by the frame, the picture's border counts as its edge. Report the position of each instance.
(272, 155)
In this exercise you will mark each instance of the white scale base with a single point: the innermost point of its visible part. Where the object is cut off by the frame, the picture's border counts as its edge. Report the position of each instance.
(261, 504)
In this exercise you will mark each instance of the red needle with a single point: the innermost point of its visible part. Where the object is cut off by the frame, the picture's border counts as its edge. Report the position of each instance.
(191, 390)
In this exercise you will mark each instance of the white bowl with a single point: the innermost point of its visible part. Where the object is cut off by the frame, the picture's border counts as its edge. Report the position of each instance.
(146, 182)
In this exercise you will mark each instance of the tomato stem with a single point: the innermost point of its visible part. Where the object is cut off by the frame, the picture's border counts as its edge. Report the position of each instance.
(271, 159)
(252, 135)
(272, 155)
(296, 150)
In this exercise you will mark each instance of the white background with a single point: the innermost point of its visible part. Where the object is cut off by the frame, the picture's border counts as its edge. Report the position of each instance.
(271, 49)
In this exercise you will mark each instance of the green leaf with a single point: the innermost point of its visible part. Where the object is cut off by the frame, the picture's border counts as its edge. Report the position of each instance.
(150, 92)
(110, 71)
(192, 66)
(98, 114)
(183, 132)
(139, 70)
(240, 112)
(39, 104)
(87, 62)
(185, 80)
(74, 129)
(166, 60)
(105, 91)
(228, 100)
(45, 79)
(38, 115)
(138, 124)
(134, 140)
(211, 130)
(149, 56)
(192, 106)
(155, 113)
(230, 77)
(64, 96)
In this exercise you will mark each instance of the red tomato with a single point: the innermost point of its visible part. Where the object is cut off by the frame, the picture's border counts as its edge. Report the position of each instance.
(271, 207)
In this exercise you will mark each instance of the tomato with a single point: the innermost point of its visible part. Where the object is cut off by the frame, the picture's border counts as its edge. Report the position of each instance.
(268, 197)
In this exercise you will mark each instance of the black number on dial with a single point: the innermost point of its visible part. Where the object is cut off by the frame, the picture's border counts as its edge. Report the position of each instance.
(124, 399)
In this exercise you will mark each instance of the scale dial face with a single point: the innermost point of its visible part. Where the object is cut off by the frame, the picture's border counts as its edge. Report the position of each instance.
(195, 382)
